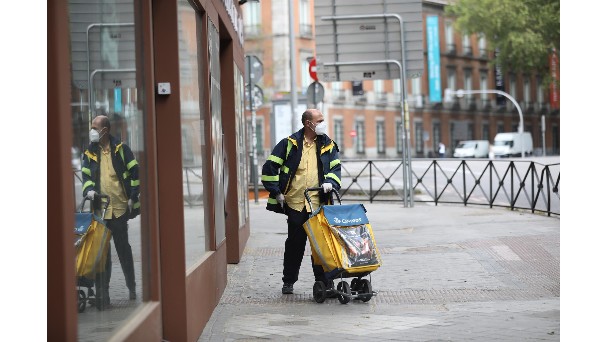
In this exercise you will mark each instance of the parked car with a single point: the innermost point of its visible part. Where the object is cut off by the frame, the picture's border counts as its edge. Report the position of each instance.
(472, 149)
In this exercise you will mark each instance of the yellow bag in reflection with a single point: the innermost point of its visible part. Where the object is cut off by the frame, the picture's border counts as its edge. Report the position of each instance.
(92, 243)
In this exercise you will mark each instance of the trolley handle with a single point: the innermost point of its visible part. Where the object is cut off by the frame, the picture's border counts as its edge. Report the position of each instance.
(100, 196)
(320, 188)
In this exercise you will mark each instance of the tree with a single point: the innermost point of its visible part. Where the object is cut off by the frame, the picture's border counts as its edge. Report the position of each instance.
(524, 31)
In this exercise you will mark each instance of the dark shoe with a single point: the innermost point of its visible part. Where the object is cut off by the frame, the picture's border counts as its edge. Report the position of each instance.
(102, 298)
(287, 288)
(102, 303)
(132, 295)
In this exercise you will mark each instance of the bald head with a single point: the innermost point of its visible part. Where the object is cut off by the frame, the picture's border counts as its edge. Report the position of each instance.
(101, 121)
(311, 114)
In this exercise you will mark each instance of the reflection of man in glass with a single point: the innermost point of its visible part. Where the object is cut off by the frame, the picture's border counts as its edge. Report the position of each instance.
(109, 167)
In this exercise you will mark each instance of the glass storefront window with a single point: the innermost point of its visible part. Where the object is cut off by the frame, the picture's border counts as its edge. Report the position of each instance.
(192, 134)
(103, 83)
(218, 157)
(241, 139)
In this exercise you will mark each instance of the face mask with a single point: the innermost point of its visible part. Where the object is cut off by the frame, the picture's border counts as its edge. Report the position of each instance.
(321, 128)
(93, 135)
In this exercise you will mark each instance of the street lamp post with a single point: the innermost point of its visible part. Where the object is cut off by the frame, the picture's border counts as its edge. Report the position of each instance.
(462, 92)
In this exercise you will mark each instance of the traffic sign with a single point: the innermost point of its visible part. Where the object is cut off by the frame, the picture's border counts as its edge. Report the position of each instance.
(315, 93)
(312, 69)
(379, 30)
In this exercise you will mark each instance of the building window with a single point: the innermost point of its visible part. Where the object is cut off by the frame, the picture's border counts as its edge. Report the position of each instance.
(380, 137)
(305, 25)
(360, 129)
(357, 88)
(398, 137)
(449, 38)
(417, 92)
(500, 127)
(452, 79)
(418, 137)
(337, 90)
(453, 139)
(483, 52)
(468, 85)
(397, 87)
(466, 45)
(251, 18)
(513, 86)
(436, 135)
(416, 89)
(379, 90)
(555, 139)
(483, 82)
(527, 103)
(485, 131)
(339, 133)
(470, 130)
(540, 93)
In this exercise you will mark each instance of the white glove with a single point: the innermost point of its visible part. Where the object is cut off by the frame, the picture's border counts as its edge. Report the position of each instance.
(130, 204)
(281, 199)
(91, 194)
(327, 187)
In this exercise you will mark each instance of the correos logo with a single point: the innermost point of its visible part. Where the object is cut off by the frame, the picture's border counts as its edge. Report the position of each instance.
(347, 221)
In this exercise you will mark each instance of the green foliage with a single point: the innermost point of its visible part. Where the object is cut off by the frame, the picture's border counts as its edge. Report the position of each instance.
(524, 31)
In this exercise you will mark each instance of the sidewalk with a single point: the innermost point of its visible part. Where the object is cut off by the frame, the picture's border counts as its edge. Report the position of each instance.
(449, 273)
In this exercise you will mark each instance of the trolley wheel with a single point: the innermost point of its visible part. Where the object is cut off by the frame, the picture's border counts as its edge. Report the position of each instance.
(82, 300)
(343, 287)
(318, 291)
(354, 285)
(366, 290)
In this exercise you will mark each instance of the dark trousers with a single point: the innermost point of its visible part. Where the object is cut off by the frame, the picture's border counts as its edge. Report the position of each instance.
(295, 246)
(120, 234)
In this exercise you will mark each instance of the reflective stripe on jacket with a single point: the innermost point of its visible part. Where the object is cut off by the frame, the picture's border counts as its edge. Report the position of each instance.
(283, 162)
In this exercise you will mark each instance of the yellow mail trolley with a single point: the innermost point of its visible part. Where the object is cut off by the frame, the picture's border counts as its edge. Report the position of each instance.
(342, 242)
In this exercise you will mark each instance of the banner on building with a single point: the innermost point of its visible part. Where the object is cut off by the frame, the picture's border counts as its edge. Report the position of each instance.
(554, 87)
(432, 40)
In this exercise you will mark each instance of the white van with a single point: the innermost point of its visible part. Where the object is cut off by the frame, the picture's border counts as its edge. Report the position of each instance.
(510, 144)
(472, 149)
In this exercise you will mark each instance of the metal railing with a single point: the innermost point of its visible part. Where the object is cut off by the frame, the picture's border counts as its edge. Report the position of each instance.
(514, 184)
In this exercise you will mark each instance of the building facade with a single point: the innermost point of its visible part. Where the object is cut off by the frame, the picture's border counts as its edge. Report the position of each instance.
(169, 76)
(365, 116)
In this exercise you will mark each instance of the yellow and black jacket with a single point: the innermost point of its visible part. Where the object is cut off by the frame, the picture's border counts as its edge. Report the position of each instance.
(283, 162)
(125, 165)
